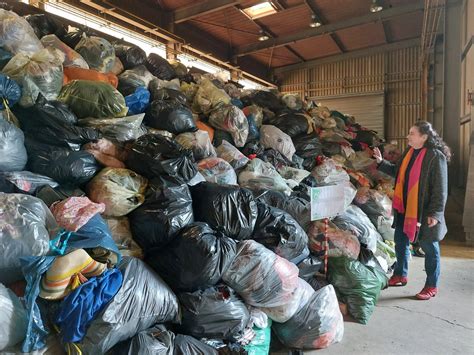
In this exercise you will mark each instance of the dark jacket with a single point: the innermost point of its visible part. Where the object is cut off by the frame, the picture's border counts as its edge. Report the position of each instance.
(432, 192)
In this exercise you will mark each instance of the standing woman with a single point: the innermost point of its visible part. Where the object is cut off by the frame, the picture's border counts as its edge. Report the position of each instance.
(421, 189)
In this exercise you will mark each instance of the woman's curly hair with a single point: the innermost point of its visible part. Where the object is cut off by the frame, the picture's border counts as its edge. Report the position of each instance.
(434, 140)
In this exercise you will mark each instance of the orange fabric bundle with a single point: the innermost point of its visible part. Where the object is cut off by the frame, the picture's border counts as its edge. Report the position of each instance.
(73, 73)
(204, 127)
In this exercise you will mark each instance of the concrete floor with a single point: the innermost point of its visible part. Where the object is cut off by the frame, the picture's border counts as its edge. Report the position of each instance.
(401, 324)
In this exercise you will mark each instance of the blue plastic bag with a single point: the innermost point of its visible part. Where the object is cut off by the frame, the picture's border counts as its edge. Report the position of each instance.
(254, 132)
(10, 91)
(138, 102)
(237, 102)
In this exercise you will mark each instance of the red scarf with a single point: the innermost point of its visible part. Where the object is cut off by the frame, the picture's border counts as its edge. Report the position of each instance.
(410, 208)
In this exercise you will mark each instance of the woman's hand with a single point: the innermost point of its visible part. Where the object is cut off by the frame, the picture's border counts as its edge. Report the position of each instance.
(377, 155)
(432, 222)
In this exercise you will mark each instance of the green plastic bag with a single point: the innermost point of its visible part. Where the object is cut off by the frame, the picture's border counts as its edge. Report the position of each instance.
(97, 99)
(357, 285)
(260, 345)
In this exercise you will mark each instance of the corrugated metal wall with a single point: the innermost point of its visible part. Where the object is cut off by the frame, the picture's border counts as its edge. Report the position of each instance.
(397, 73)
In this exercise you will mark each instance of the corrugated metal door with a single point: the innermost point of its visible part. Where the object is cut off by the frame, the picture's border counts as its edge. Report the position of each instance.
(368, 110)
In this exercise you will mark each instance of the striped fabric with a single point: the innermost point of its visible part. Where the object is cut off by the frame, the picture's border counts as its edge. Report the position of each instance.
(67, 273)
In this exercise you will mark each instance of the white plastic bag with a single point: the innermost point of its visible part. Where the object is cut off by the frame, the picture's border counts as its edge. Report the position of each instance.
(13, 319)
(329, 173)
(275, 138)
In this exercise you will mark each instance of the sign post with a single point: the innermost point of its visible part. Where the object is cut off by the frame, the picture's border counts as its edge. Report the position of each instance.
(326, 202)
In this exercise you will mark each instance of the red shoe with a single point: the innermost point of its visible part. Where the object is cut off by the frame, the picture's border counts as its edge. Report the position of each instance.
(427, 293)
(396, 280)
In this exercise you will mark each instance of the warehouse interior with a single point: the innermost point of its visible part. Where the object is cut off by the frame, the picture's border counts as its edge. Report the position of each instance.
(347, 67)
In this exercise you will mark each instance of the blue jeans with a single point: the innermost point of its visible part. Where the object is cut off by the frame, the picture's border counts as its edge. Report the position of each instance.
(432, 257)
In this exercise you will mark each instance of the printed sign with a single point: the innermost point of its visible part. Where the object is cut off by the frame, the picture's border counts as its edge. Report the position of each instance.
(327, 201)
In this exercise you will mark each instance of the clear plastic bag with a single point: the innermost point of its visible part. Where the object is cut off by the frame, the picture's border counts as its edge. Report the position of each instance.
(120, 190)
(107, 153)
(16, 34)
(12, 148)
(231, 155)
(27, 181)
(259, 175)
(301, 295)
(122, 129)
(230, 118)
(260, 277)
(290, 173)
(328, 173)
(292, 101)
(97, 52)
(198, 142)
(93, 99)
(122, 235)
(341, 243)
(273, 137)
(132, 79)
(209, 97)
(317, 324)
(217, 170)
(26, 226)
(13, 319)
(40, 73)
(72, 58)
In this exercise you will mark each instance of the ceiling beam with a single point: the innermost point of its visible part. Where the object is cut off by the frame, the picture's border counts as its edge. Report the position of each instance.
(296, 54)
(319, 17)
(202, 8)
(387, 33)
(330, 28)
(348, 55)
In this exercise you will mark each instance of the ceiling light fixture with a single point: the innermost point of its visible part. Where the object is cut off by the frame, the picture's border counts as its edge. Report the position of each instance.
(314, 21)
(376, 6)
(260, 10)
(263, 36)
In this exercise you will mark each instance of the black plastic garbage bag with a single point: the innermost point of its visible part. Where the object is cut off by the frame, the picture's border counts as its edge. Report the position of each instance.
(317, 324)
(155, 155)
(160, 67)
(121, 129)
(130, 55)
(368, 137)
(251, 148)
(309, 148)
(10, 91)
(73, 37)
(297, 207)
(4, 58)
(213, 313)
(12, 148)
(187, 345)
(220, 136)
(130, 80)
(309, 267)
(28, 182)
(167, 209)
(226, 208)
(264, 99)
(260, 277)
(195, 259)
(159, 93)
(280, 233)
(63, 165)
(44, 24)
(358, 285)
(143, 300)
(50, 195)
(153, 341)
(51, 122)
(254, 132)
(171, 116)
(275, 158)
(97, 99)
(293, 124)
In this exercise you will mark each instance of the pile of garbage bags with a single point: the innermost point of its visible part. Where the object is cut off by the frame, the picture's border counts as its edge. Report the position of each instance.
(147, 210)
